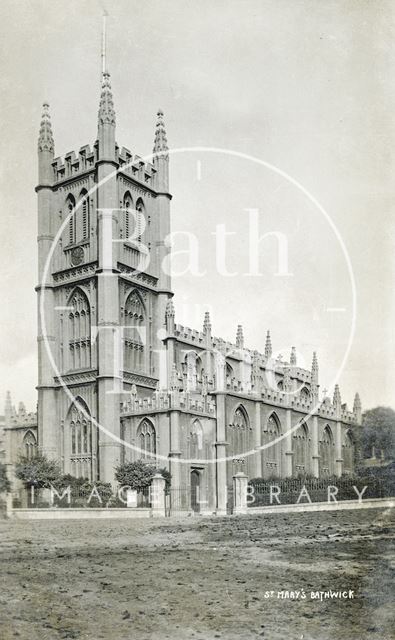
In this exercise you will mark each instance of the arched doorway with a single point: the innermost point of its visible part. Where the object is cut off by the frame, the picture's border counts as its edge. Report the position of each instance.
(195, 490)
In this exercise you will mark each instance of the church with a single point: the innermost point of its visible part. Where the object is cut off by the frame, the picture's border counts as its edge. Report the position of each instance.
(118, 378)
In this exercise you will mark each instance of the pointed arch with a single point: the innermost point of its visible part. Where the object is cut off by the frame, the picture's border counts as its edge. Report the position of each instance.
(140, 218)
(83, 216)
(305, 393)
(70, 211)
(29, 444)
(146, 439)
(196, 440)
(326, 452)
(79, 439)
(271, 455)
(240, 438)
(348, 452)
(79, 330)
(127, 205)
(135, 332)
(300, 446)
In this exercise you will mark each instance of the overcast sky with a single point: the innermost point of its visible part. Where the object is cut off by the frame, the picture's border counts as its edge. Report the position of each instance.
(305, 86)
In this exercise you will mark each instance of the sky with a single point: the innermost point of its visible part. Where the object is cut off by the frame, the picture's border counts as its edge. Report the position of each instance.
(286, 108)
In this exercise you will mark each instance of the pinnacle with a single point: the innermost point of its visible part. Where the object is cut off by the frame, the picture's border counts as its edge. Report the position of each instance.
(45, 138)
(160, 149)
(106, 107)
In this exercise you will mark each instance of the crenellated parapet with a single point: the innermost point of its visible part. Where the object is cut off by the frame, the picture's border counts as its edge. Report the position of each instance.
(74, 163)
(167, 400)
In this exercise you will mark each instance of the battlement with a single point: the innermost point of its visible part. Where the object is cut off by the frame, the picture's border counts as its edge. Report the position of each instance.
(163, 401)
(75, 163)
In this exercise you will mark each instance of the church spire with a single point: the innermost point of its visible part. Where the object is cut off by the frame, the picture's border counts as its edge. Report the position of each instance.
(160, 149)
(106, 115)
(268, 346)
(337, 401)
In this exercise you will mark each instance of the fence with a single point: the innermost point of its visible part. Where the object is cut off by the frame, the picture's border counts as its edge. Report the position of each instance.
(289, 490)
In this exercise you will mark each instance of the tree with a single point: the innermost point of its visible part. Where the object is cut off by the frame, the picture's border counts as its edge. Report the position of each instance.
(38, 472)
(378, 430)
(138, 475)
(5, 485)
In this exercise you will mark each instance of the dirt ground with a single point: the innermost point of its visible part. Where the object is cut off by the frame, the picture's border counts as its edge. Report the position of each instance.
(199, 578)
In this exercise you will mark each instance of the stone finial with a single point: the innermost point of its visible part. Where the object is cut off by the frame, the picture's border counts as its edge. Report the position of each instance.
(45, 138)
(160, 149)
(337, 401)
(106, 108)
(268, 346)
(292, 359)
(207, 323)
(239, 337)
(287, 382)
(133, 392)
(357, 409)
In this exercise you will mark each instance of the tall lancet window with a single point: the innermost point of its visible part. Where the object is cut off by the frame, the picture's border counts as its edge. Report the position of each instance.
(326, 451)
(83, 216)
(80, 440)
(128, 215)
(79, 330)
(271, 454)
(135, 338)
(70, 205)
(348, 453)
(240, 434)
(300, 442)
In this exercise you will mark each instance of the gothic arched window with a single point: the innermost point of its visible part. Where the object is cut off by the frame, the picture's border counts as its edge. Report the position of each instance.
(79, 330)
(240, 438)
(70, 212)
(29, 445)
(196, 440)
(135, 338)
(83, 216)
(140, 218)
(146, 439)
(271, 455)
(300, 442)
(80, 440)
(128, 215)
(326, 451)
(348, 453)
(305, 393)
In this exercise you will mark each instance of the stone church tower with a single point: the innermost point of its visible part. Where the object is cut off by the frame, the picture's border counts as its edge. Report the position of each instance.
(103, 216)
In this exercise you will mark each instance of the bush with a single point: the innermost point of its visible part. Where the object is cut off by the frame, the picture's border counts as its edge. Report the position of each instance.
(138, 475)
(5, 485)
(38, 472)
